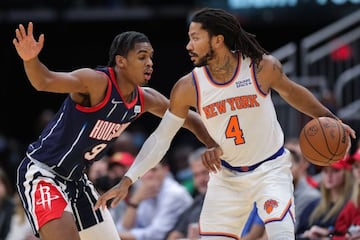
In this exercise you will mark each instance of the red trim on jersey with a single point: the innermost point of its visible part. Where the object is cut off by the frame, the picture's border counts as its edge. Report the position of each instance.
(223, 85)
(142, 101)
(49, 203)
(113, 78)
(101, 104)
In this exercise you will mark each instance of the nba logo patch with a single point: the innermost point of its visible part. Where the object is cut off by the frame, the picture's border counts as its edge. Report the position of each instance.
(137, 109)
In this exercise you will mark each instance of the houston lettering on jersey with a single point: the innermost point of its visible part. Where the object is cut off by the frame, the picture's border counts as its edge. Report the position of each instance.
(105, 130)
(232, 104)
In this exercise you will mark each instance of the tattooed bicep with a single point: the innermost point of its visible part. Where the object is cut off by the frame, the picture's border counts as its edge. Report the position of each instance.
(259, 67)
(277, 66)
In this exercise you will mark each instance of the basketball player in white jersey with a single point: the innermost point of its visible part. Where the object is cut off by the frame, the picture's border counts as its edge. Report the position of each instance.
(231, 89)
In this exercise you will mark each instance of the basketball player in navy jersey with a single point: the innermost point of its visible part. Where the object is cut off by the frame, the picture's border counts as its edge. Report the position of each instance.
(56, 194)
(230, 87)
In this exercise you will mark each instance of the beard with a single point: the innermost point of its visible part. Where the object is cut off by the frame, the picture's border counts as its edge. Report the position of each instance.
(203, 61)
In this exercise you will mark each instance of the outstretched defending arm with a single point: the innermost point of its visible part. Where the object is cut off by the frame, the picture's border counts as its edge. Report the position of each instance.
(155, 146)
(150, 154)
(159, 141)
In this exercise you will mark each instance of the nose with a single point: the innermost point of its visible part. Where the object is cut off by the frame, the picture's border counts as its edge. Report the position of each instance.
(149, 62)
(189, 46)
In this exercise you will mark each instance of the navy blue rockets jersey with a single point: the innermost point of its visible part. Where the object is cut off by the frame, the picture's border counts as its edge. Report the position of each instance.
(78, 134)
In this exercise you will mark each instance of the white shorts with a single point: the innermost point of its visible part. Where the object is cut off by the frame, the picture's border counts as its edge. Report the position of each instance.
(231, 195)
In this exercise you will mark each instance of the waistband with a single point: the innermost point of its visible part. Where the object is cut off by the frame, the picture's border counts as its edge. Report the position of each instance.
(252, 167)
(51, 169)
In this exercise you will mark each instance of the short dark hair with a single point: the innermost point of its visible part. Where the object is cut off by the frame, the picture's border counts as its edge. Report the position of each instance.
(219, 22)
(123, 43)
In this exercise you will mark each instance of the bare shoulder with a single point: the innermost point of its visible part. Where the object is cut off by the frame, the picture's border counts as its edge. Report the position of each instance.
(184, 91)
(184, 84)
(269, 64)
(154, 101)
(152, 95)
(85, 84)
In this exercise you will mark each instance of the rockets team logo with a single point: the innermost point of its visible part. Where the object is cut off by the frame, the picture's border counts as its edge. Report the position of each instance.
(49, 203)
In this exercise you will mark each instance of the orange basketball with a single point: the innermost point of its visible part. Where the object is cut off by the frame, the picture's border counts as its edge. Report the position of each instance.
(323, 141)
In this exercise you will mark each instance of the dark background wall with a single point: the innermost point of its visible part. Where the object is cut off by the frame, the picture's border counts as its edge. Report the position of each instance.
(73, 41)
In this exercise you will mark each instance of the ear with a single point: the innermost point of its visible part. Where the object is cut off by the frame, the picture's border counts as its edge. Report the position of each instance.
(218, 40)
(120, 61)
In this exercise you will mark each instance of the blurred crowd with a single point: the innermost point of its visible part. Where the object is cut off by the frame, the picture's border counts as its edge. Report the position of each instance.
(67, 4)
(165, 203)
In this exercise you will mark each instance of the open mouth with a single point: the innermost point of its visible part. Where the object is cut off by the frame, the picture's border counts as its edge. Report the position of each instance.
(147, 75)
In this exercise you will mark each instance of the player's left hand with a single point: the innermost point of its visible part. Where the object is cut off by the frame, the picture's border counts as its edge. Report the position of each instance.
(211, 159)
(117, 193)
(350, 133)
(349, 130)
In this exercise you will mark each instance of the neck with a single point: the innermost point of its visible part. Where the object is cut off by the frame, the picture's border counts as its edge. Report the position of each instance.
(222, 67)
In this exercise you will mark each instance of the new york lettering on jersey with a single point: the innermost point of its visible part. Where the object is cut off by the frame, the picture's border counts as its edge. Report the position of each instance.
(242, 114)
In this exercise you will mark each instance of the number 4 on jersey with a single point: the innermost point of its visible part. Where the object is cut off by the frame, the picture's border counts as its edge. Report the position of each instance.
(233, 130)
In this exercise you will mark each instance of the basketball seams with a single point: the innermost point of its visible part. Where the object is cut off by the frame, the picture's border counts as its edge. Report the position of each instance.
(322, 141)
(313, 147)
(325, 137)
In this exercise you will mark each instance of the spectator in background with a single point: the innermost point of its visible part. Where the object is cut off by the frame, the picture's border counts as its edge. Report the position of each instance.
(190, 217)
(180, 166)
(43, 119)
(336, 187)
(6, 204)
(126, 142)
(20, 228)
(98, 169)
(347, 225)
(154, 206)
(304, 191)
(119, 163)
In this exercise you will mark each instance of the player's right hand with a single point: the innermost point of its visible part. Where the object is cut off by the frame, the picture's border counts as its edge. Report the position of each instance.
(116, 193)
(211, 159)
(26, 46)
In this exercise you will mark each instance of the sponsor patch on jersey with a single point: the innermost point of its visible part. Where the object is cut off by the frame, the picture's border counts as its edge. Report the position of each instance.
(243, 83)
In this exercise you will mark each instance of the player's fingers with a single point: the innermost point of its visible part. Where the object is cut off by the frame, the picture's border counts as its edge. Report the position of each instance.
(115, 201)
(18, 35)
(102, 200)
(215, 158)
(352, 133)
(15, 42)
(41, 40)
(22, 30)
(99, 203)
(30, 29)
(208, 163)
(205, 163)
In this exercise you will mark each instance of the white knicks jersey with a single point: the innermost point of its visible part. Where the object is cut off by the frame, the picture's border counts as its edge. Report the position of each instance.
(238, 115)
